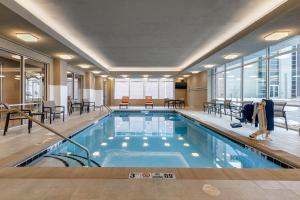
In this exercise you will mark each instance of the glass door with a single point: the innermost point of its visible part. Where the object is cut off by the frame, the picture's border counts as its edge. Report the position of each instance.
(10, 83)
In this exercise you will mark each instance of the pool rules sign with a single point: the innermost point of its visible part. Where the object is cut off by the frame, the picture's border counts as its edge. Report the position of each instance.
(147, 175)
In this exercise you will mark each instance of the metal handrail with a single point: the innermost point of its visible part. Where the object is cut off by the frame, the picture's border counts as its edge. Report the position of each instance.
(53, 131)
(108, 108)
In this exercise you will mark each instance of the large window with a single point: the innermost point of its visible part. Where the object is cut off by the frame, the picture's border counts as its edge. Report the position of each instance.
(121, 88)
(272, 73)
(255, 75)
(139, 88)
(151, 88)
(136, 89)
(220, 85)
(233, 81)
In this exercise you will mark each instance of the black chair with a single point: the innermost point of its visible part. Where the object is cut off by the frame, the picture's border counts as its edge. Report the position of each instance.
(227, 106)
(280, 112)
(72, 105)
(209, 106)
(15, 116)
(166, 102)
(53, 110)
(87, 104)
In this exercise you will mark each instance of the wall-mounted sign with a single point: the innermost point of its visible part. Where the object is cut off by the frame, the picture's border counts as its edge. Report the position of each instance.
(147, 175)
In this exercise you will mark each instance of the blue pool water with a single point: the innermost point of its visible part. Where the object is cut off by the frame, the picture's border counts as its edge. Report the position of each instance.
(156, 139)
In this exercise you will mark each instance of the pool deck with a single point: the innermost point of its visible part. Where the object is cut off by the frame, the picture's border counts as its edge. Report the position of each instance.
(102, 183)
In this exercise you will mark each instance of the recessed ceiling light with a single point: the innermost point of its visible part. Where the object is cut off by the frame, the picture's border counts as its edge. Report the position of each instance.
(16, 57)
(209, 66)
(111, 138)
(145, 138)
(124, 76)
(96, 72)
(27, 37)
(69, 72)
(65, 56)
(195, 72)
(110, 78)
(2, 76)
(84, 66)
(104, 76)
(186, 75)
(180, 78)
(231, 56)
(278, 35)
(127, 78)
(127, 138)
(164, 138)
(18, 76)
(146, 76)
(167, 76)
(163, 78)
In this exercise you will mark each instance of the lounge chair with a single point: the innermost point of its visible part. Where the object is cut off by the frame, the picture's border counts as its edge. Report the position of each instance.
(15, 116)
(124, 102)
(148, 101)
(280, 112)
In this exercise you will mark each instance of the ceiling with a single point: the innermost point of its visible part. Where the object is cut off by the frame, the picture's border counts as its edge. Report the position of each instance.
(11, 23)
(254, 41)
(141, 35)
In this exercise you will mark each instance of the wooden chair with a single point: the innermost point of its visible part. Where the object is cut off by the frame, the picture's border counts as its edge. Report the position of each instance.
(53, 110)
(124, 102)
(148, 101)
(280, 112)
(15, 116)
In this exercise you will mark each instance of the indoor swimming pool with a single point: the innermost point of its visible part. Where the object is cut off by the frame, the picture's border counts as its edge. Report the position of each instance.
(151, 139)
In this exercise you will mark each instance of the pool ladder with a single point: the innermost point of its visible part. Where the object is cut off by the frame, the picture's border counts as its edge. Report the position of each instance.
(108, 108)
(53, 131)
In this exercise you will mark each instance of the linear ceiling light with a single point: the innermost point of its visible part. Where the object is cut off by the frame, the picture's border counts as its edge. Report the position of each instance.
(195, 72)
(65, 56)
(167, 76)
(208, 66)
(231, 56)
(27, 37)
(278, 35)
(186, 76)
